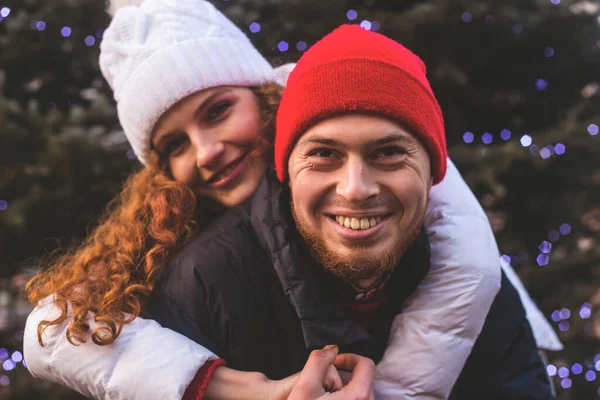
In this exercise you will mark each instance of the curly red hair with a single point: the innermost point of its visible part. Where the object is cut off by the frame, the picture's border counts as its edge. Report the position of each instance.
(115, 269)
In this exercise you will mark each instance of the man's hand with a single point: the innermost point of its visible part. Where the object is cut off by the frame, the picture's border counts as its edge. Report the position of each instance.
(320, 380)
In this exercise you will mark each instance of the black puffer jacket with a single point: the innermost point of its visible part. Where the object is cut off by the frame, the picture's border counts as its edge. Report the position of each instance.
(247, 289)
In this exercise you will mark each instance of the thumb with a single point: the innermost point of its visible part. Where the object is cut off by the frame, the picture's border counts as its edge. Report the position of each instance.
(317, 365)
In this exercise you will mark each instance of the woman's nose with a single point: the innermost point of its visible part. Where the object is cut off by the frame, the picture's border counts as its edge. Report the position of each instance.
(208, 153)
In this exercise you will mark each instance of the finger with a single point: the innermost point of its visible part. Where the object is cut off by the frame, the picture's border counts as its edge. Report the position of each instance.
(317, 364)
(333, 380)
(362, 373)
(285, 386)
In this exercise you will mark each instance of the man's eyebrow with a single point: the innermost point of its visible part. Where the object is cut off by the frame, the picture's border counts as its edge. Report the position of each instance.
(318, 139)
(391, 138)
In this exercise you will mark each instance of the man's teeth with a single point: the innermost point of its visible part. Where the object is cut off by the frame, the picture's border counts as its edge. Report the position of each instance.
(357, 223)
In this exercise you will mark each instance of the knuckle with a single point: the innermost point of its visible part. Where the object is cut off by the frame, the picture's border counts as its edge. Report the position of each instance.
(370, 363)
(317, 354)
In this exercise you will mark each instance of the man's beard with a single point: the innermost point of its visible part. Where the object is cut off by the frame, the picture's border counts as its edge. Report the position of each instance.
(361, 266)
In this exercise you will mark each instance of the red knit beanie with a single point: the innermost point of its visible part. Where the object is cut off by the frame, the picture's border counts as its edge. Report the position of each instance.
(353, 69)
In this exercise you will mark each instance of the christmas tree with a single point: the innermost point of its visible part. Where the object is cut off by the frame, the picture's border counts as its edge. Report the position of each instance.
(518, 81)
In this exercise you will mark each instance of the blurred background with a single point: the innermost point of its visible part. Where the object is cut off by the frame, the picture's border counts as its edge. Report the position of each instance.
(518, 81)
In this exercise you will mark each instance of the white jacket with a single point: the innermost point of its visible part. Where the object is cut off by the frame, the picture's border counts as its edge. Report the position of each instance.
(438, 325)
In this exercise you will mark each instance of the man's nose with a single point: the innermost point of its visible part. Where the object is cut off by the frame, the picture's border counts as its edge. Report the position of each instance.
(357, 183)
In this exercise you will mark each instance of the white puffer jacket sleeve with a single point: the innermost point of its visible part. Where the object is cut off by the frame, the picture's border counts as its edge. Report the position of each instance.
(441, 321)
(146, 361)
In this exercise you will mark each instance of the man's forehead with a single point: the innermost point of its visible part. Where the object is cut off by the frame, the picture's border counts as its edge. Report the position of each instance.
(358, 137)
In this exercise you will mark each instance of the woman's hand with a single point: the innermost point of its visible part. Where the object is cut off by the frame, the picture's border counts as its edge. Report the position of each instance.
(320, 380)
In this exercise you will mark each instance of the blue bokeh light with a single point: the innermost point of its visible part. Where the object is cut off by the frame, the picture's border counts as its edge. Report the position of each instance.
(301, 46)
(66, 31)
(131, 154)
(556, 316)
(545, 153)
(565, 229)
(526, 140)
(541, 84)
(563, 372)
(517, 29)
(17, 356)
(543, 260)
(487, 138)
(8, 365)
(590, 375)
(283, 46)
(255, 27)
(585, 311)
(505, 134)
(545, 247)
(534, 149)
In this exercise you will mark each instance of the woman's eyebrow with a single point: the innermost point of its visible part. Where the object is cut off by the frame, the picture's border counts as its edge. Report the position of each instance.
(203, 104)
(209, 100)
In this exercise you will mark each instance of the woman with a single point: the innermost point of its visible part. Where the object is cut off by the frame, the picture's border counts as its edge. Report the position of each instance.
(195, 103)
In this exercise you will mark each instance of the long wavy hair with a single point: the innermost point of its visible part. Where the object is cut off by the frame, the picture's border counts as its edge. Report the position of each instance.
(111, 274)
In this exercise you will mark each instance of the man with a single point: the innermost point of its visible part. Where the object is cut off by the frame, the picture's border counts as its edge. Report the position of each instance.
(330, 256)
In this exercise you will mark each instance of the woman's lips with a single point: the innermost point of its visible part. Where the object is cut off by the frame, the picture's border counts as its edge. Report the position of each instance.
(229, 173)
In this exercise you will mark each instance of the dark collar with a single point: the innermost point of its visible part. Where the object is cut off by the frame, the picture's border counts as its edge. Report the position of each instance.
(321, 316)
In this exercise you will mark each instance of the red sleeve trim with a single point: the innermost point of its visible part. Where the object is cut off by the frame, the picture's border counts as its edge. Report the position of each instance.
(197, 388)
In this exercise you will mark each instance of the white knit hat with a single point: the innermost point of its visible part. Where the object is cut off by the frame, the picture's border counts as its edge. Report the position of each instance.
(160, 51)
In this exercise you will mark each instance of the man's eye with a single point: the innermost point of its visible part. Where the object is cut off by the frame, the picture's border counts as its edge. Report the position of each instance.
(390, 151)
(323, 153)
(217, 110)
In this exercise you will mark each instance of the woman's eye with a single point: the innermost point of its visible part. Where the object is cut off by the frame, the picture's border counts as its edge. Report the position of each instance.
(217, 111)
(173, 145)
